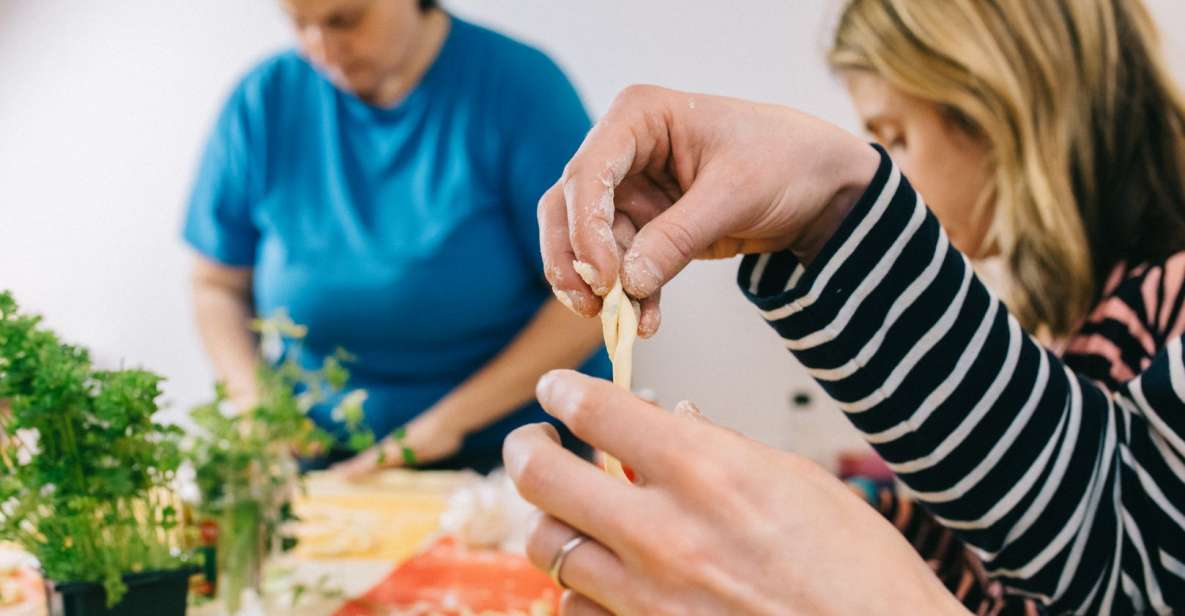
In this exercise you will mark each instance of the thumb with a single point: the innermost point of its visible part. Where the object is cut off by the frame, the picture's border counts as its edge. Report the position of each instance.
(666, 244)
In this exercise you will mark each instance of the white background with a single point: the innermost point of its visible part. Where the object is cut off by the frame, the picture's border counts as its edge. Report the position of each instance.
(104, 106)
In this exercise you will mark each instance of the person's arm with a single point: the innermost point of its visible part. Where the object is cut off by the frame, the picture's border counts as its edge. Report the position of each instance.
(536, 122)
(221, 230)
(1065, 491)
(1068, 494)
(554, 338)
(223, 310)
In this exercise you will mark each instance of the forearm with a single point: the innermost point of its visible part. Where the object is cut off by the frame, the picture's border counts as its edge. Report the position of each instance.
(965, 408)
(554, 338)
(224, 315)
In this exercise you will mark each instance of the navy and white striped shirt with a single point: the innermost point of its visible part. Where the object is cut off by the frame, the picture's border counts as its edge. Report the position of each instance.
(1069, 494)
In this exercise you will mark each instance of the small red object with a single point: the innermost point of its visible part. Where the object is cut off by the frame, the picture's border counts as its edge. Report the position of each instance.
(208, 530)
(864, 464)
(451, 579)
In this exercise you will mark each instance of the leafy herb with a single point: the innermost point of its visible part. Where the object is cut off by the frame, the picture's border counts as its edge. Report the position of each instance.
(322, 588)
(243, 457)
(398, 437)
(87, 472)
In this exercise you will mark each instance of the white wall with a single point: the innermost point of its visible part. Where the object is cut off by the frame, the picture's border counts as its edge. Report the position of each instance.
(103, 107)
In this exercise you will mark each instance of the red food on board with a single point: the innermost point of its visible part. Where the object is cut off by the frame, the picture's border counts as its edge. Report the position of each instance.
(449, 578)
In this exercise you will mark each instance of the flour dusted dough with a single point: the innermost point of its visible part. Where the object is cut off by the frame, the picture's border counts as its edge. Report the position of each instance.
(619, 325)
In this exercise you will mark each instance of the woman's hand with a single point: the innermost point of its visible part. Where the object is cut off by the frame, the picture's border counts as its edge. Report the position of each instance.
(429, 438)
(698, 177)
(718, 524)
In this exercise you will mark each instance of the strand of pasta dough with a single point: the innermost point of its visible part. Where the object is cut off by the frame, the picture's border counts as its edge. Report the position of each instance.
(619, 325)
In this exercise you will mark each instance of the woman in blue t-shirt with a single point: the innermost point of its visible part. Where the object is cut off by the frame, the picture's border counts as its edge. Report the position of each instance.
(380, 185)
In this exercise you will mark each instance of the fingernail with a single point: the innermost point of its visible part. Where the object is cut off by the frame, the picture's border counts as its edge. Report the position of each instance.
(585, 271)
(565, 298)
(649, 322)
(589, 275)
(545, 389)
(641, 275)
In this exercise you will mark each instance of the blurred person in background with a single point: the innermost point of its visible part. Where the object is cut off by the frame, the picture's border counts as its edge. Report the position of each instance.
(379, 183)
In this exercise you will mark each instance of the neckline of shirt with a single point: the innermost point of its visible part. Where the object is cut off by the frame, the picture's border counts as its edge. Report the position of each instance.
(430, 76)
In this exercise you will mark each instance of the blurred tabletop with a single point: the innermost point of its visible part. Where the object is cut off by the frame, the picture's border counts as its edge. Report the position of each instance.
(378, 547)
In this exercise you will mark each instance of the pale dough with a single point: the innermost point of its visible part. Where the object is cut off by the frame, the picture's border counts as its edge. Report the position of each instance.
(619, 325)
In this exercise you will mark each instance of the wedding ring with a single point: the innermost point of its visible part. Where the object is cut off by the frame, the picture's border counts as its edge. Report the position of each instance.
(557, 563)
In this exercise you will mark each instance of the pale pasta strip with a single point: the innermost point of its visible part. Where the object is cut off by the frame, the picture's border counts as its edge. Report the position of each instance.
(619, 324)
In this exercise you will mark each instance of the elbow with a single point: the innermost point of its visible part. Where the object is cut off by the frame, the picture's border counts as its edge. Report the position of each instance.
(208, 278)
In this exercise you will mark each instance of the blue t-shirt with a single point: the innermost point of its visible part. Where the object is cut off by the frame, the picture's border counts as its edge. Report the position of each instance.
(405, 235)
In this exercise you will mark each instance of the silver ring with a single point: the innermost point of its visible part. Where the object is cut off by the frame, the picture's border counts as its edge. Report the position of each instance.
(557, 563)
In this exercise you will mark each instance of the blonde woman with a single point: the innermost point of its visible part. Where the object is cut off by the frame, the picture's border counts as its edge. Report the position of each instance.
(1050, 136)
(1046, 134)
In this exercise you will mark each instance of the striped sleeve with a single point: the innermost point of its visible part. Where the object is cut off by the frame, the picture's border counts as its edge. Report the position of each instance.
(1069, 494)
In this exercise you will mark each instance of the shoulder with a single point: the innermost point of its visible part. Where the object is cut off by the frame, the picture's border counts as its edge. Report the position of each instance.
(255, 112)
(522, 95)
(280, 74)
(498, 48)
(513, 68)
(272, 94)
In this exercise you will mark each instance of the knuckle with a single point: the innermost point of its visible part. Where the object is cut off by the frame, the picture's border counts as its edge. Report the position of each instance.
(552, 274)
(689, 551)
(546, 203)
(570, 179)
(524, 463)
(538, 546)
(687, 559)
(668, 455)
(531, 477)
(635, 94)
(703, 481)
(680, 236)
(583, 410)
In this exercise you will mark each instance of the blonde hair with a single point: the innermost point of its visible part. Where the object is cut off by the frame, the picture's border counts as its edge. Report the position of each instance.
(1085, 130)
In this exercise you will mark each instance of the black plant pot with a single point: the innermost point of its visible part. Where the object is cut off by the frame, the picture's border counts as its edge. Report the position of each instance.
(152, 593)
